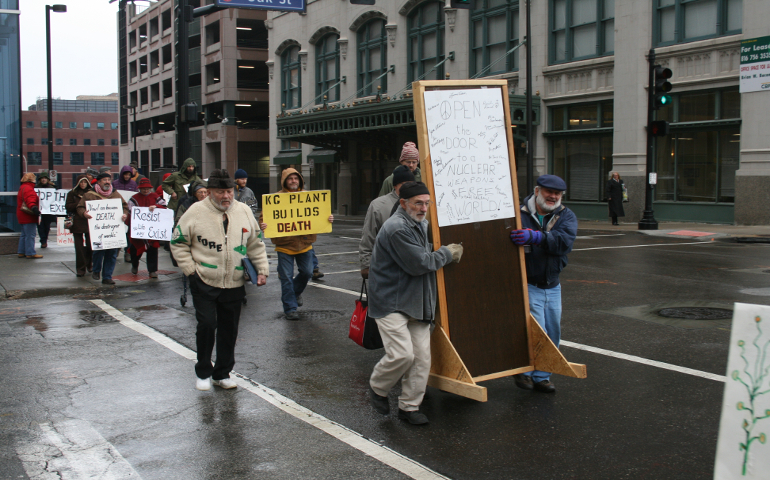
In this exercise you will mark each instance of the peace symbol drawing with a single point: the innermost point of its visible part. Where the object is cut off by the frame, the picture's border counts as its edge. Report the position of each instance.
(446, 110)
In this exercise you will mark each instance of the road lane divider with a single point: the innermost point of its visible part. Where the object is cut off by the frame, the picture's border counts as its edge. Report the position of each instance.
(645, 245)
(385, 455)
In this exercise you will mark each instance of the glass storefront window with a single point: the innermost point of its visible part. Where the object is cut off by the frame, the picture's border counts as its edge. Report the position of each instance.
(584, 162)
(697, 107)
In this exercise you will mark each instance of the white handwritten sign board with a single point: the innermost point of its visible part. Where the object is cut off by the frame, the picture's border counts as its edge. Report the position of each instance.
(106, 224)
(155, 225)
(63, 236)
(52, 201)
(126, 194)
(742, 448)
(468, 151)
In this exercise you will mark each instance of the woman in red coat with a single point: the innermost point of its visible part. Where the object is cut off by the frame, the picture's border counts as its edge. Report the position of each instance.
(145, 198)
(28, 221)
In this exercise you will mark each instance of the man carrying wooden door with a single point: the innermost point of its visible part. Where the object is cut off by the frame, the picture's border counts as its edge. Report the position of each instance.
(550, 228)
(402, 299)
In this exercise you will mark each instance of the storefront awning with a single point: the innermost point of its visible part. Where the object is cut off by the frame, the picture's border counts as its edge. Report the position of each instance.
(288, 158)
(321, 156)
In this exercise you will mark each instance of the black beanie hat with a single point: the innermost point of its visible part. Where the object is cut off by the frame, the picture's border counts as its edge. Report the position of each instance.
(103, 175)
(402, 174)
(412, 189)
(220, 179)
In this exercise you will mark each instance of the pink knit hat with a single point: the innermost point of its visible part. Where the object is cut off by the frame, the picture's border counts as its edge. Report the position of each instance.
(409, 152)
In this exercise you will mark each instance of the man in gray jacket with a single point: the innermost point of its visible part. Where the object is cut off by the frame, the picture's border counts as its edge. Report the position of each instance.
(380, 209)
(402, 299)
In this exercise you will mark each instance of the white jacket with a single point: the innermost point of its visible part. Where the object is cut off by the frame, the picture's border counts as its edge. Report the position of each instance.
(200, 244)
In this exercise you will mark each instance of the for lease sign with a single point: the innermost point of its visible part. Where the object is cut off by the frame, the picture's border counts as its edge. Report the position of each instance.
(755, 64)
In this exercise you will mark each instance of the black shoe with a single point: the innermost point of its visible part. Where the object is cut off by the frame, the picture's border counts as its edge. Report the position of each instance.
(44, 245)
(317, 274)
(292, 316)
(379, 402)
(134, 270)
(95, 276)
(523, 381)
(80, 274)
(299, 301)
(415, 418)
(108, 281)
(544, 386)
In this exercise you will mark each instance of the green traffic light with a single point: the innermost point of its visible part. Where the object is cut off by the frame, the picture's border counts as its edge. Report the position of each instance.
(665, 100)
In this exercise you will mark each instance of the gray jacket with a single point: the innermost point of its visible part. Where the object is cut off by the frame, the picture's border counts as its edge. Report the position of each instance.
(378, 212)
(246, 195)
(402, 276)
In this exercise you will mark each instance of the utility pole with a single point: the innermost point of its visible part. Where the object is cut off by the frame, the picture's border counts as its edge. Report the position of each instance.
(530, 133)
(183, 19)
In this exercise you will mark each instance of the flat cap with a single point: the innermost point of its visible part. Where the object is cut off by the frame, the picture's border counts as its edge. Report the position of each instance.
(552, 181)
(103, 175)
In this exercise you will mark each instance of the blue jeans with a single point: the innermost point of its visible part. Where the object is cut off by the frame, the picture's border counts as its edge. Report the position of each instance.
(104, 261)
(27, 239)
(315, 260)
(545, 306)
(292, 287)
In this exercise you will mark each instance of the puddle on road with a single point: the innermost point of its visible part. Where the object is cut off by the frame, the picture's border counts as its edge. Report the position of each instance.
(64, 321)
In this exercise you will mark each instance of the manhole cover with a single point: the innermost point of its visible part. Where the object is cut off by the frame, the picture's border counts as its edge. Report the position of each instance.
(696, 313)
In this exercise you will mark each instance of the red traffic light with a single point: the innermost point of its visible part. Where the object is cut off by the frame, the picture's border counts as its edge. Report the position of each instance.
(658, 128)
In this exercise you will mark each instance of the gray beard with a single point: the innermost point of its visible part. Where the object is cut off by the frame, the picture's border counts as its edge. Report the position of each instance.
(544, 206)
(219, 206)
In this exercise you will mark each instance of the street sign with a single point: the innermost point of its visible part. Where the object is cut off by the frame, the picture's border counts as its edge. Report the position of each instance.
(755, 64)
(653, 178)
(280, 5)
(52, 175)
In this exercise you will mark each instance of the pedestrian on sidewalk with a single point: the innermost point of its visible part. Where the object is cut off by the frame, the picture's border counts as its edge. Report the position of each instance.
(103, 260)
(402, 300)
(137, 246)
(295, 248)
(27, 217)
(243, 193)
(174, 185)
(79, 226)
(44, 227)
(614, 194)
(210, 242)
(410, 157)
(135, 174)
(124, 182)
(550, 228)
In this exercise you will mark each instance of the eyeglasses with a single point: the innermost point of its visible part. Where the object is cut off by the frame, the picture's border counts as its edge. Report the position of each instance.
(422, 204)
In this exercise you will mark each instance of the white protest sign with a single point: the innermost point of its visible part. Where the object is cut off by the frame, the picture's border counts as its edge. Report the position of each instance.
(126, 194)
(63, 236)
(468, 151)
(52, 201)
(155, 225)
(106, 224)
(742, 448)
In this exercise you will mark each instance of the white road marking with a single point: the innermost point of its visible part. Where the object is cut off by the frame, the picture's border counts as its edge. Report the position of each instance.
(73, 449)
(346, 271)
(375, 450)
(646, 245)
(338, 253)
(646, 361)
(351, 238)
(336, 289)
(594, 236)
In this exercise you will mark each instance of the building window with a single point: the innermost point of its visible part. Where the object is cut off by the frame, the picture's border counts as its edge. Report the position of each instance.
(680, 21)
(77, 158)
(58, 158)
(581, 29)
(44, 141)
(114, 142)
(580, 140)
(115, 158)
(291, 79)
(425, 27)
(43, 124)
(30, 124)
(87, 125)
(87, 141)
(30, 141)
(73, 142)
(698, 160)
(494, 31)
(34, 158)
(73, 124)
(327, 71)
(100, 142)
(57, 125)
(59, 141)
(100, 126)
(97, 158)
(113, 126)
(372, 58)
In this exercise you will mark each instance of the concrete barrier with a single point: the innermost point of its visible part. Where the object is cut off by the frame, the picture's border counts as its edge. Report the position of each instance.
(9, 243)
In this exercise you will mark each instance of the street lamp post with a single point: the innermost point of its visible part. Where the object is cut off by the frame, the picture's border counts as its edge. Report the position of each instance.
(134, 157)
(48, 9)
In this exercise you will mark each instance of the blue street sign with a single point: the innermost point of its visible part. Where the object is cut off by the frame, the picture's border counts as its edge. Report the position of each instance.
(282, 5)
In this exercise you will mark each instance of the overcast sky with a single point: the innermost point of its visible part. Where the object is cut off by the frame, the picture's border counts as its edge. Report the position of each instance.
(84, 49)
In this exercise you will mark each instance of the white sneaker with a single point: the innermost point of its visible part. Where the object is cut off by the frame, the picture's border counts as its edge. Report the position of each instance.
(225, 383)
(203, 383)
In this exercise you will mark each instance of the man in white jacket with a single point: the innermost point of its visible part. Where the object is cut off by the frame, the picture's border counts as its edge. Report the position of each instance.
(209, 243)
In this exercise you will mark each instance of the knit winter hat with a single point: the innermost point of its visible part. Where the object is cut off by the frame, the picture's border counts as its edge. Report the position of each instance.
(43, 174)
(241, 173)
(412, 189)
(145, 183)
(220, 179)
(402, 174)
(409, 152)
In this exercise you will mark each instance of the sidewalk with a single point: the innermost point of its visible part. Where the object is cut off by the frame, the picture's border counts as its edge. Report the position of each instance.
(683, 229)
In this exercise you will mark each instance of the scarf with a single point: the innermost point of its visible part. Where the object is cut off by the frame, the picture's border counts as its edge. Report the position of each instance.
(104, 193)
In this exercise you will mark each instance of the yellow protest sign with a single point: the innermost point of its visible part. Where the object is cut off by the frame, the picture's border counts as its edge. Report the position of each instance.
(300, 213)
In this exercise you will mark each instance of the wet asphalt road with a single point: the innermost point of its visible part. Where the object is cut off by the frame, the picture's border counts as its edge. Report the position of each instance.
(77, 384)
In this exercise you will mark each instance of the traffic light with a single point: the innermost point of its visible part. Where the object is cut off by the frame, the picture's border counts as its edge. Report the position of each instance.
(464, 4)
(659, 128)
(662, 87)
(362, 2)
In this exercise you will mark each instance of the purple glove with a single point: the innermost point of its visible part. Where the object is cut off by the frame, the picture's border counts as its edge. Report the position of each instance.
(526, 237)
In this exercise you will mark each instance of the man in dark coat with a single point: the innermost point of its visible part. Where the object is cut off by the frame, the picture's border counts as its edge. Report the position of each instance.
(44, 227)
(614, 194)
(79, 226)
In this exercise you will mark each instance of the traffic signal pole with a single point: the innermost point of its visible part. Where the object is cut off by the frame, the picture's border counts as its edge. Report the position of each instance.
(648, 221)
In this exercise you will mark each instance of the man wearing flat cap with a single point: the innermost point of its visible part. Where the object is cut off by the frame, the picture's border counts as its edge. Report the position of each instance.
(550, 228)
(402, 299)
(209, 244)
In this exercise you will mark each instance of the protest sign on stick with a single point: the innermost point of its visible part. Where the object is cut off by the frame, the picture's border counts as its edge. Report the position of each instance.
(52, 201)
(106, 225)
(298, 213)
(63, 236)
(155, 225)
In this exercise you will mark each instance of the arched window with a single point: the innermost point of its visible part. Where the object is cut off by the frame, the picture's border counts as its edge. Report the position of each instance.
(291, 78)
(327, 68)
(426, 41)
(372, 57)
(494, 31)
